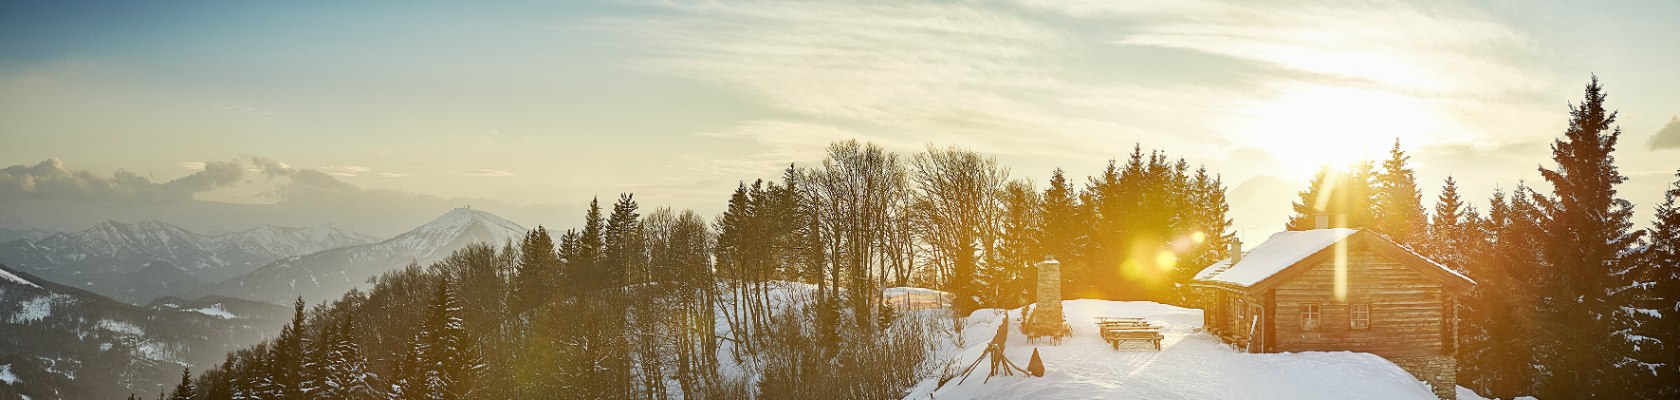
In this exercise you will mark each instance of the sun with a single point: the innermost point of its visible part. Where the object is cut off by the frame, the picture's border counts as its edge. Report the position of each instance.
(1304, 126)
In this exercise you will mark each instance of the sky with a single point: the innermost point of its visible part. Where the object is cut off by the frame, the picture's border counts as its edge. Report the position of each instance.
(379, 116)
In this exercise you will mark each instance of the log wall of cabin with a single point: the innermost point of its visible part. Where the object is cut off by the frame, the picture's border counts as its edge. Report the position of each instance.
(1406, 309)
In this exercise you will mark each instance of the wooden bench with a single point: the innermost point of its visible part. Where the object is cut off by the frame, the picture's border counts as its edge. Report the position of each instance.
(1116, 330)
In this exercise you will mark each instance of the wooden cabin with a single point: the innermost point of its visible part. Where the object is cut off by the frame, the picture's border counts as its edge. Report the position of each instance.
(1288, 295)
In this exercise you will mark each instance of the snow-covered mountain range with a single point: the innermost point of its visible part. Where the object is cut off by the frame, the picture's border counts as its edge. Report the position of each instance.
(60, 342)
(331, 273)
(137, 262)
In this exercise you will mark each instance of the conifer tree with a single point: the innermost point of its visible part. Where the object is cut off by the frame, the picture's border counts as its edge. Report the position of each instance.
(446, 364)
(1588, 238)
(1448, 229)
(1011, 274)
(1656, 304)
(183, 391)
(1345, 197)
(287, 359)
(1398, 202)
(1065, 228)
(537, 273)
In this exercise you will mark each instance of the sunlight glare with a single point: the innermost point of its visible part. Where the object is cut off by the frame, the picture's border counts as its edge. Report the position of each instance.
(1308, 125)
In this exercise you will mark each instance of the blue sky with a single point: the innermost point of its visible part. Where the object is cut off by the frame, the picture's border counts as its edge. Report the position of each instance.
(537, 106)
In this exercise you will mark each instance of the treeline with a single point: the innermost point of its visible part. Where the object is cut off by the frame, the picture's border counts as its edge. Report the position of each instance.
(1570, 301)
(778, 297)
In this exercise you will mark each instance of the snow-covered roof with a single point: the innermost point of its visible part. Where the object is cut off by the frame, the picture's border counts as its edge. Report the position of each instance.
(1280, 251)
(1285, 249)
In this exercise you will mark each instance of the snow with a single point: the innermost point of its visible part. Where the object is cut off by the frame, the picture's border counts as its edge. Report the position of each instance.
(34, 309)
(120, 327)
(7, 275)
(1190, 365)
(214, 310)
(1279, 251)
(1467, 394)
(7, 376)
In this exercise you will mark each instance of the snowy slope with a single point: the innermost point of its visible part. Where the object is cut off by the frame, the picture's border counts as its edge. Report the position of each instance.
(1191, 364)
(136, 262)
(328, 274)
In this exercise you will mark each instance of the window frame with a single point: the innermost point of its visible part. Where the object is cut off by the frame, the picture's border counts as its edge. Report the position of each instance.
(1313, 313)
(1353, 321)
(1240, 309)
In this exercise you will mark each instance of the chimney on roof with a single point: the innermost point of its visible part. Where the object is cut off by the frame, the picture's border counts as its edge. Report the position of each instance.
(1321, 221)
(1236, 251)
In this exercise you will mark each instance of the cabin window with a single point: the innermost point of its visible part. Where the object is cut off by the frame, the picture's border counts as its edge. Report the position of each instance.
(1359, 316)
(1309, 317)
(1238, 311)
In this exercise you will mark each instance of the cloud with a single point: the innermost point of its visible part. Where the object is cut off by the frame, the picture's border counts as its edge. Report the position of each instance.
(1028, 78)
(482, 172)
(915, 72)
(1669, 136)
(391, 174)
(51, 180)
(345, 170)
(1400, 46)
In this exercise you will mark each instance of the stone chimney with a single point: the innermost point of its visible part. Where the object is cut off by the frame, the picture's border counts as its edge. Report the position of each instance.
(1321, 221)
(1236, 251)
(1047, 317)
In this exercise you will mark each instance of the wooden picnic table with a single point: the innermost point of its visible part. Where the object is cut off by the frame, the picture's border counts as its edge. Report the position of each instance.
(1116, 330)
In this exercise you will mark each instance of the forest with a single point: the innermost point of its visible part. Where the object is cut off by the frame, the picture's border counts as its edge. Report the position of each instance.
(780, 295)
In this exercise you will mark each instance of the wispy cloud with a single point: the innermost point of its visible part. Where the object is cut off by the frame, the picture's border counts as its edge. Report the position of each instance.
(1020, 78)
(1436, 48)
(482, 172)
(345, 170)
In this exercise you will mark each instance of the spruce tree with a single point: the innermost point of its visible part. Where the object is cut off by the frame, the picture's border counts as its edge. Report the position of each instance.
(1656, 307)
(1447, 229)
(288, 358)
(1588, 237)
(1065, 228)
(446, 359)
(1346, 197)
(537, 272)
(184, 391)
(1399, 205)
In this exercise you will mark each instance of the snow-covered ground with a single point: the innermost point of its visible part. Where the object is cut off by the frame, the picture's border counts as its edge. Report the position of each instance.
(1190, 365)
(7, 376)
(1467, 394)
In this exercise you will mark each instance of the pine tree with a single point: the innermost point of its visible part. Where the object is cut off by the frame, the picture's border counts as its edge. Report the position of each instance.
(288, 359)
(1587, 240)
(346, 375)
(1011, 274)
(1398, 202)
(183, 391)
(1447, 229)
(590, 247)
(445, 364)
(537, 274)
(1656, 306)
(1346, 197)
(1065, 228)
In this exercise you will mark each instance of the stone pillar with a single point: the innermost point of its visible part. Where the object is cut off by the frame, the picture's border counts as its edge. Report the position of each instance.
(1440, 371)
(1047, 316)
